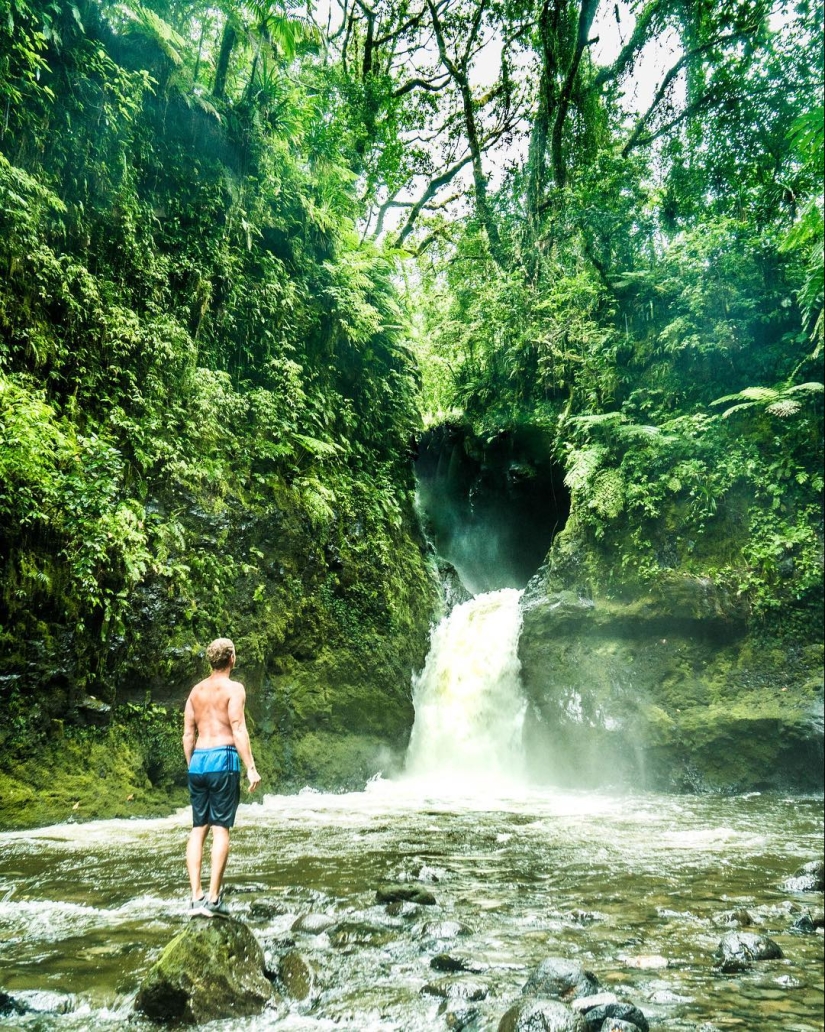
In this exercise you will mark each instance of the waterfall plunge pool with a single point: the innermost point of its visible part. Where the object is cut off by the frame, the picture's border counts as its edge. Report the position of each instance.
(604, 880)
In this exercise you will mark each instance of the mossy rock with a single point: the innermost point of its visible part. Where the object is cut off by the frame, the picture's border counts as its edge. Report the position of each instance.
(214, 969)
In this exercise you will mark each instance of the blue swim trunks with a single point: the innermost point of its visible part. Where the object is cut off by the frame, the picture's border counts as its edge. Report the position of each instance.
(215, 786)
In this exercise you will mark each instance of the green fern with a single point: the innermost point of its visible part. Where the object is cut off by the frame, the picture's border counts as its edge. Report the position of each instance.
(779, 401)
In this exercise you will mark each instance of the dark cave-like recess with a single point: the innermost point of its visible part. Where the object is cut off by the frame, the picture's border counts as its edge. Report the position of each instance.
(492, 508)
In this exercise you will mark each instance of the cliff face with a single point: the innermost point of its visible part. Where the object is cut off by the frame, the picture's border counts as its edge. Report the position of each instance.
(669, 688)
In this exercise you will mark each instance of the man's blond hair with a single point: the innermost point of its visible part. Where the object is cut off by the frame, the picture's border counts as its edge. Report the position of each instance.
(219, 654)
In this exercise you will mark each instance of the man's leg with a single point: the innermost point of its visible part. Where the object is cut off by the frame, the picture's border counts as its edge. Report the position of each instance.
(220, 854)
(194, 857)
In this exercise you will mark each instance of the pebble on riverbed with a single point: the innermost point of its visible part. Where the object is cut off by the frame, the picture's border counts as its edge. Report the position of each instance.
(741, 917)
(647, 962)
(561, 979)
(458, 1014)
(738, 950)
(313, 924)
(445, 930)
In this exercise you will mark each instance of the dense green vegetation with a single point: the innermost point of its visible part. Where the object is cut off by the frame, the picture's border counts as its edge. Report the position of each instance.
(207, 401)
(246, 248)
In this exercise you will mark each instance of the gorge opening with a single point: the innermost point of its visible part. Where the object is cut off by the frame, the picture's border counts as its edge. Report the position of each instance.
(491, 507)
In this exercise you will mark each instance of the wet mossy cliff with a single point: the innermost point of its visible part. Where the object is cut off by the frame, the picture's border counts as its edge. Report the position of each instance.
(649, 669)
(206, 406)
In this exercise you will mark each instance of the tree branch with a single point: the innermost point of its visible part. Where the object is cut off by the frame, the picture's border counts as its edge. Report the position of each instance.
(430, 85)
(432, 189)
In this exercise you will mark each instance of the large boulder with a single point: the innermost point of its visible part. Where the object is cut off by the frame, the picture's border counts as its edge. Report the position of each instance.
(214, 969)
(738, 950)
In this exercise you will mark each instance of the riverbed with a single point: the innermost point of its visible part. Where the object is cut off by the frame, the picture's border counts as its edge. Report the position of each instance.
(623, 884)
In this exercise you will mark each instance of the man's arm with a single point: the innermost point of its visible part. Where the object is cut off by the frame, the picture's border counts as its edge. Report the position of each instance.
(189, 730)
(237, 721)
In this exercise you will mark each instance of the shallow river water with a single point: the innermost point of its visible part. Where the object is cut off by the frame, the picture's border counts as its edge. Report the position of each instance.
(605, 880)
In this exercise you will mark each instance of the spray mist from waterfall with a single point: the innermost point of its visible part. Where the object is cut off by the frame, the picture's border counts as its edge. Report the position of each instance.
(469, 706)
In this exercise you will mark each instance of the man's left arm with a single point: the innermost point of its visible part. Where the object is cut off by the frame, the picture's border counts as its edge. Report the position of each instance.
(189, 731)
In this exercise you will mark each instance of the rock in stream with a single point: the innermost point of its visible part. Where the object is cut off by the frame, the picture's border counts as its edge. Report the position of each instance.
(213, 969)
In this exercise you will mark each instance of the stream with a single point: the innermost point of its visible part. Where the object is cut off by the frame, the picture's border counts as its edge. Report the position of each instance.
(639, 889)
(601, 879)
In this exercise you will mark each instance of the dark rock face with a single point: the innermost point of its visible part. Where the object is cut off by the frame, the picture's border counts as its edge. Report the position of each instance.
(738, 950)
(625, 1013)
(561, 979)
(809, 878)
(617, 1025)
(541, 1016)
(211, 970)
(10, 1006)
(405, 894)
(665, 689)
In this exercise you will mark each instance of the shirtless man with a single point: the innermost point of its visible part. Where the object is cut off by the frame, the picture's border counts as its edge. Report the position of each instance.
(214, 716)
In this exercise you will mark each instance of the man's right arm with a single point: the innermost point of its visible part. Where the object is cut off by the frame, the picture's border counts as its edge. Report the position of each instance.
(237, 721)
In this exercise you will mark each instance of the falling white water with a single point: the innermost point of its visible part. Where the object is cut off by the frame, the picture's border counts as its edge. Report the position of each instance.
(469, 706)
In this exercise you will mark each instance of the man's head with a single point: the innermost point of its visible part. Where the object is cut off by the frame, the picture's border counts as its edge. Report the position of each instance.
(221, 654)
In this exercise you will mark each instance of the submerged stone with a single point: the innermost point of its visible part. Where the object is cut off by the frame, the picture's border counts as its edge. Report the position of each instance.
(455, 989)
(360, 933)
(446, 929)
(213, 969)
(809, 878)
(405, 894)
(447, 962)
(43, 1001)
(561, 979)
(9, 1005)
(738, 950)
(735, 917)
(296, 975)
(541, 1016)
(458, 1014)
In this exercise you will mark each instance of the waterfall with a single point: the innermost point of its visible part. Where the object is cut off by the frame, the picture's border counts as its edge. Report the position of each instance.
(469, 706)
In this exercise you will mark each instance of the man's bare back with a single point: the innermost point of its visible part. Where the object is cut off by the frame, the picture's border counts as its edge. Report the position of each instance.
(215, 703)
